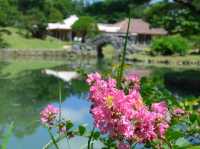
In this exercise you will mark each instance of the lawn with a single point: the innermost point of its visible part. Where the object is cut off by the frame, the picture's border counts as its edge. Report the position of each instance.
(18, 41)
(109, 51)
(172, 60)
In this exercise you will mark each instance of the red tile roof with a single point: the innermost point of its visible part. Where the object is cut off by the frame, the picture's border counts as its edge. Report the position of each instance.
(140, 27)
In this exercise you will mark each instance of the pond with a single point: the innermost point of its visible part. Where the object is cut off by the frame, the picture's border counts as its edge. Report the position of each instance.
(25, 91)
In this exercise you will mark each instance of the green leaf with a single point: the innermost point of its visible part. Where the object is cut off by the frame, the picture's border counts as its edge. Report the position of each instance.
(7, 136)
(96, 135)
(173, 134)
(193, 117)
(69, 125)
(182, 142)
(81, 129)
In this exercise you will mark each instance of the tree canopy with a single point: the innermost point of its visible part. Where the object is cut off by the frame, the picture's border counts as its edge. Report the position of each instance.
(179, 16)
(85, 26)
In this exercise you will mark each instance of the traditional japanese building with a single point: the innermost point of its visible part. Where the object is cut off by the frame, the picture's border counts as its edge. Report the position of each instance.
(140, 31)
(62, 30)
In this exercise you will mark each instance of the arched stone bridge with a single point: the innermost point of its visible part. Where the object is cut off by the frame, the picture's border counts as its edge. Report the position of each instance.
(97, 43)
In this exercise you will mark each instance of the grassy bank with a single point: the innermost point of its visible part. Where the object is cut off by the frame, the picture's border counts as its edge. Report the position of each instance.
(17, 39)
(172, 60)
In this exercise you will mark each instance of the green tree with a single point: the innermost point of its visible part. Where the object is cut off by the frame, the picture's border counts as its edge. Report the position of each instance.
(36, 23)
(66, 7)
(55, 15)
(114, 10)
(174, 17)
(192, 4)
(27, 5)
(85, 27)
(8, 13)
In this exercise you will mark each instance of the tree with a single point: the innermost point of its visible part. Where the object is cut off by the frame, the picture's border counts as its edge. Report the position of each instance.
(114, 10)
(55, 15)
(27, 5)
(174, 17)
(85, 27)
(36, 23)
(192, 4)
(8, 13)
(66, 7)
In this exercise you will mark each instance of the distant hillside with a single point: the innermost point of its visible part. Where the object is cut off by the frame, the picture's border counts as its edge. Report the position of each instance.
(17, 39)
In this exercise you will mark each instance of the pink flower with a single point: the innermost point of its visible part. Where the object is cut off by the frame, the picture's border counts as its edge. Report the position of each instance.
(145, 125)
(123, 114)
(134, 78)
(160, 107)
(162, 127)
(93, 77)
(122, 145)
(48, 114)
(178, 112)
(125, 127)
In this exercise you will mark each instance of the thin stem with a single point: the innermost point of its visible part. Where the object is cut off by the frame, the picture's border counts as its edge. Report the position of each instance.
(121, 69)
(53, 139)
(60, 101)
(90, 138)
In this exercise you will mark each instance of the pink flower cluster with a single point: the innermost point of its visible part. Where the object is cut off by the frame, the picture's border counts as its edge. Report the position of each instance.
(178, 112)
(48, 114)
(122, 115)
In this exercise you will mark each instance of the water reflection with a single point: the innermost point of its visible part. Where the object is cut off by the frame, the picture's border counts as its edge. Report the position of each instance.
(183, 83)
(23, 97)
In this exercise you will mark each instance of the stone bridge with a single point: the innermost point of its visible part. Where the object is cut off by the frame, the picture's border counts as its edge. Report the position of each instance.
(97, 43)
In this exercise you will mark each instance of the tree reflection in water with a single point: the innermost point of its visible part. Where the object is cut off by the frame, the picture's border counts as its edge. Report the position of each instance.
(23, 97)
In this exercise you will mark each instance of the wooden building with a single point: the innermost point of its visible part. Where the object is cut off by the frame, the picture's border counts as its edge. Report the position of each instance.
(62, 30)
(139, 29)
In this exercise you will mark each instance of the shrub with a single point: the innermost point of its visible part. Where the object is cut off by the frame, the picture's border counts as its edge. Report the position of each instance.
(195, 40)
(3, 44)
(170, 45)
(36, 23)
(85, 27)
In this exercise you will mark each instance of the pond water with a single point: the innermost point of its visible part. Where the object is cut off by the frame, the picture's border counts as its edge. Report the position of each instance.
(24, 92)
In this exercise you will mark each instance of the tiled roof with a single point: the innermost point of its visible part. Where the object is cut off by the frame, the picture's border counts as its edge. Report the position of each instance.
(140, 27)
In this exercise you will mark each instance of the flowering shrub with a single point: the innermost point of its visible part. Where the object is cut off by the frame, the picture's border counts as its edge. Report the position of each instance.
(123, 115)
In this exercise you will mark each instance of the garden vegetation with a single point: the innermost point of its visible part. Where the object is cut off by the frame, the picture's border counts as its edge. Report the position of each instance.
(170, 45)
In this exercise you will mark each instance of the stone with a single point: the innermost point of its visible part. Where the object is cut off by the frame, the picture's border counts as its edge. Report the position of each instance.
(116, 40)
